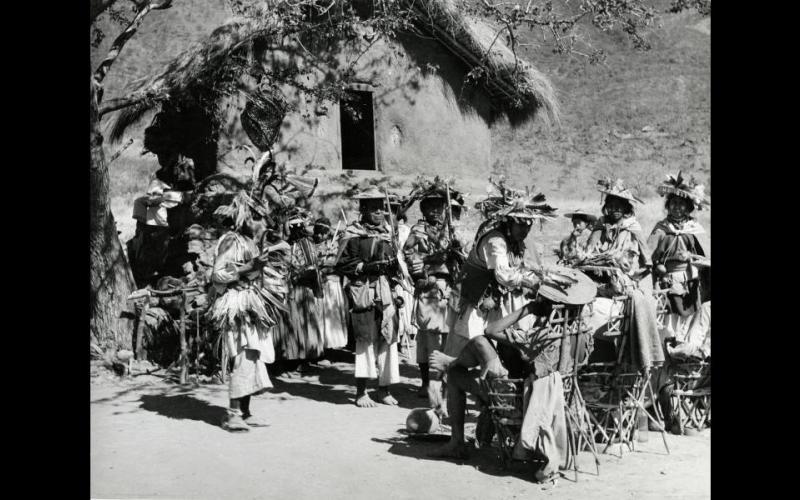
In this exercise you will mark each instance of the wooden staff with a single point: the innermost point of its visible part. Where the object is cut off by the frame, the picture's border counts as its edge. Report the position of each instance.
(184, 347)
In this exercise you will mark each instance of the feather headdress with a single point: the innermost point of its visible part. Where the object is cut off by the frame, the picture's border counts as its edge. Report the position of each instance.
(616, 187)
(241, 209)
(423, 188)
(509, 202)
(677, 185)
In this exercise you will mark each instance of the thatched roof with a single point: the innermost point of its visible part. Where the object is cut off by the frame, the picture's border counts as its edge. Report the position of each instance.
(514, 86)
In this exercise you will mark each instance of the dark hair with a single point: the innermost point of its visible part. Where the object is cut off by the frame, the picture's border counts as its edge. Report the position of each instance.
(584, 217)
(427, 202)
(163, 175)
(672, 196)
(363, 203)
(628, 210)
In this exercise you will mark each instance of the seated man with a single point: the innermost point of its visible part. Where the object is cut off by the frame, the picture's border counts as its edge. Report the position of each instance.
(518, 355)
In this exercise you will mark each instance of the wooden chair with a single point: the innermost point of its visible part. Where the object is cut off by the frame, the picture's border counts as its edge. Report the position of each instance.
(623, 391)
(690, 404)
(506, 395)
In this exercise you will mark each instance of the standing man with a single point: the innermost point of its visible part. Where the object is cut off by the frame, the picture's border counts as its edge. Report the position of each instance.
(240, 311)
(369, 260)
(493, 277)
(426, 252)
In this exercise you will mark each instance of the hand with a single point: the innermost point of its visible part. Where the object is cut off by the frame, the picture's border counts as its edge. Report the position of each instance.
(417, 266)
(684, 256)
(392, 265)
(259, 262)
(373, 268)
(531, 281)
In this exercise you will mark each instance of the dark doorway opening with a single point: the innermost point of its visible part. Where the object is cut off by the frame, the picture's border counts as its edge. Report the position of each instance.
(358, 131)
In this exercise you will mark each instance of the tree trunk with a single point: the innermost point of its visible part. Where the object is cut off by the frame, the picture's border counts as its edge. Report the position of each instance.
(111, 280)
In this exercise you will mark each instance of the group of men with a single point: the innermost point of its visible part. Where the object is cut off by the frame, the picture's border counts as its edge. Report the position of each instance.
(472, 299)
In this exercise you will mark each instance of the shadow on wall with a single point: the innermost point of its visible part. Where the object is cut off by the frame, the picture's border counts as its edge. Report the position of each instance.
(470, 99)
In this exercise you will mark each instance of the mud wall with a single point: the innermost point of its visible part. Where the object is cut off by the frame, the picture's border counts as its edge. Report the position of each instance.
(424, 121)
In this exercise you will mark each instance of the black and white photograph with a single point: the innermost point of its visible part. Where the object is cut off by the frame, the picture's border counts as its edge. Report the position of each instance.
(400, 249)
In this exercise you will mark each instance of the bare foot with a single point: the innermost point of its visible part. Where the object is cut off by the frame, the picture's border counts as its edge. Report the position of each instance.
(254, 421)
(365, 402)
(451, 450)
(440, 361)
(388, 399)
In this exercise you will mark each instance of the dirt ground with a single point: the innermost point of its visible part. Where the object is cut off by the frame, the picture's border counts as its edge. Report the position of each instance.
(152, 438)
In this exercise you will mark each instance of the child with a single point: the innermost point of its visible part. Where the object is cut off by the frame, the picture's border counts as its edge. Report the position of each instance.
(573, 247)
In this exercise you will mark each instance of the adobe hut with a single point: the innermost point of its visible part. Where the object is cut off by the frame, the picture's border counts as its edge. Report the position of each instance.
(404, 108)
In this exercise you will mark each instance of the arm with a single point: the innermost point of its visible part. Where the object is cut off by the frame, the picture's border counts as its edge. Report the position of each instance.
(495, 329)
(349, 262)
(496, 253)
(225, 269)
(594, 241)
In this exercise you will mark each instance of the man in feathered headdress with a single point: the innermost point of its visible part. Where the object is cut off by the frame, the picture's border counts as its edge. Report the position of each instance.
(491, 288)
(493, 274)
(681, 267)
(243, 311)
(428, 252)
(369, 260)
(676, 246)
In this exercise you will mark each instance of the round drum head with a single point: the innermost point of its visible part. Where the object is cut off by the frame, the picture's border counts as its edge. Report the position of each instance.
(582, 291)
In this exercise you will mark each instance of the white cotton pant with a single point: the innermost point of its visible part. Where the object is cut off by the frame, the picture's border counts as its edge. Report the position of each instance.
(377, 359)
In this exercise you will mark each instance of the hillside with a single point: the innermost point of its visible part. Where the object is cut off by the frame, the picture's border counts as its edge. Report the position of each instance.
(638, 115)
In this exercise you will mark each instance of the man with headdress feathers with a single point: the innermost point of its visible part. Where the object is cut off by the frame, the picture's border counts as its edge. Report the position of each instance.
(619, 260)
(680, 267)
(675, 246)
(243, 311)
(617, 238)
(493, 277)
(369, 260)
(426, 253)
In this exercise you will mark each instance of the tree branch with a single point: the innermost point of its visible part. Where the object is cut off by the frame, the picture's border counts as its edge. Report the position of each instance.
(97, 7)
(143, 9)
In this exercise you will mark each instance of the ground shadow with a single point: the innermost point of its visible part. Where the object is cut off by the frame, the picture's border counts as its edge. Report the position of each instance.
(335, 384)
(183, 407)
(487, 460)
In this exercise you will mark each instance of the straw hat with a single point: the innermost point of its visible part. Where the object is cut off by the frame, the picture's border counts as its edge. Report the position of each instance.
(515, 203)
(691, 190)
(580, 213)
(616, 188)
(371, 193)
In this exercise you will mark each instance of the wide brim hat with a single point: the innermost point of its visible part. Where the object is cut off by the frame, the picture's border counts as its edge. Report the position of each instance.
(676, 185)
(371, 193)
(582, 291)
(617, 188)
(580, 213)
